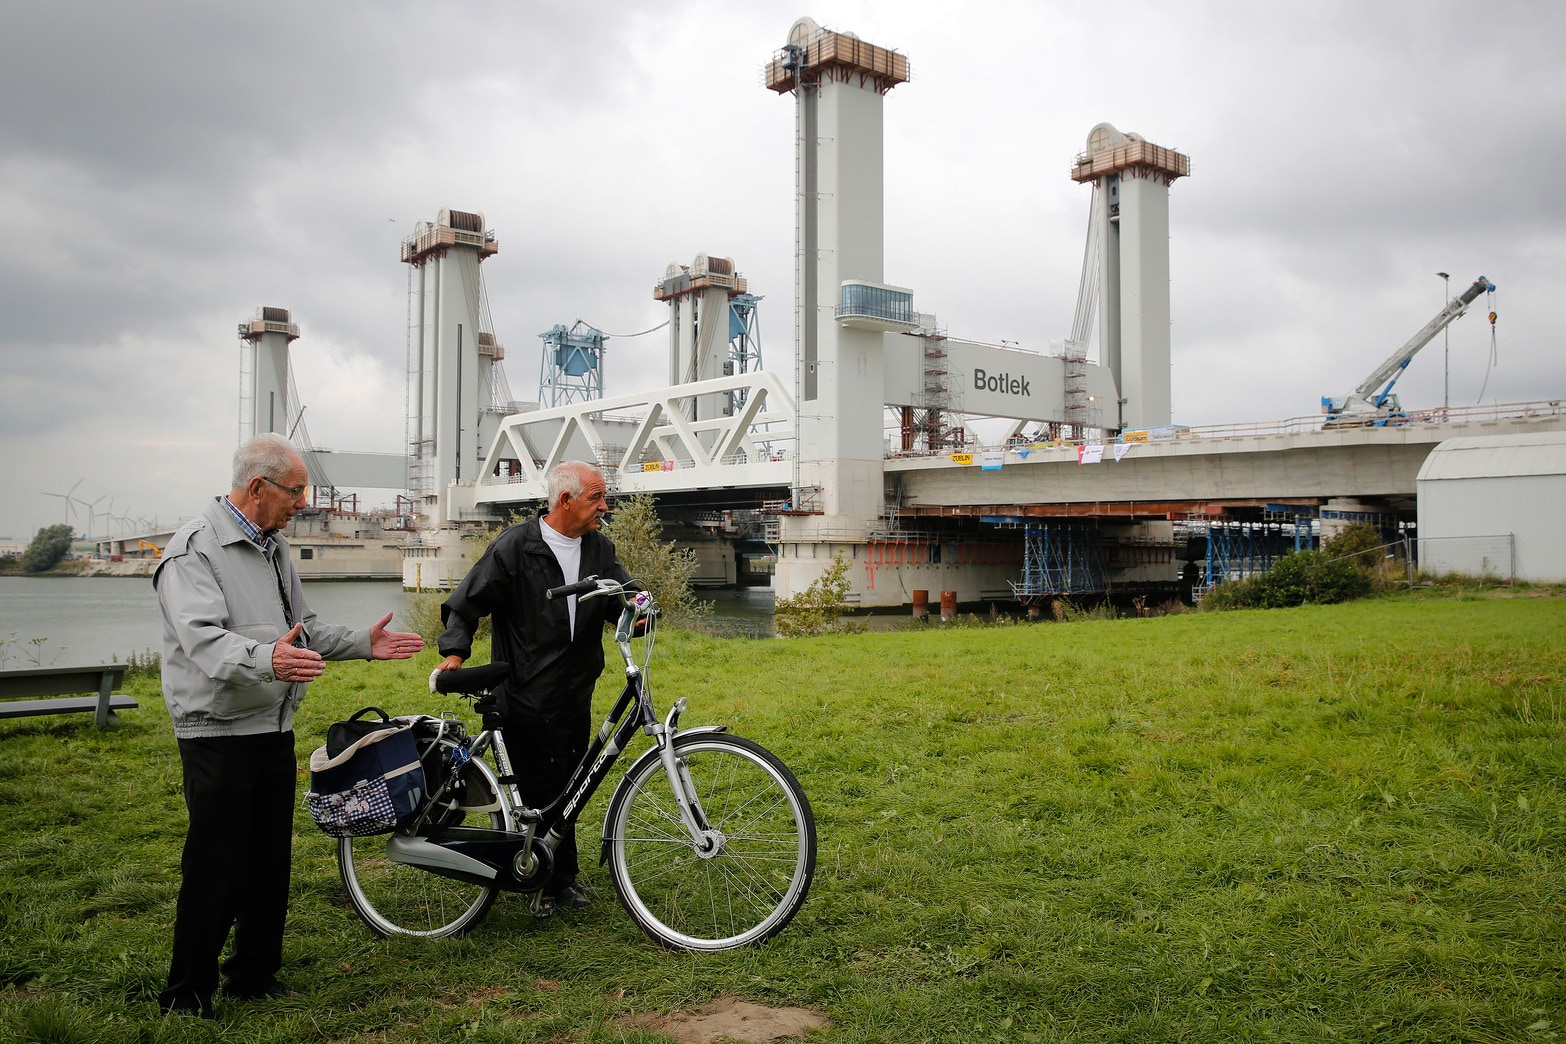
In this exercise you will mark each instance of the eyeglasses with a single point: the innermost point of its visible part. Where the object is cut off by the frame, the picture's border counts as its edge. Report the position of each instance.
(293, 491)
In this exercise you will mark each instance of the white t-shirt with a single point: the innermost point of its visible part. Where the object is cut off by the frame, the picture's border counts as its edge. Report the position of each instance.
(568, 552)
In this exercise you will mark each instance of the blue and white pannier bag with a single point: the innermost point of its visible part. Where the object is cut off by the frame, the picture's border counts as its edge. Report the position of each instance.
(372, 787)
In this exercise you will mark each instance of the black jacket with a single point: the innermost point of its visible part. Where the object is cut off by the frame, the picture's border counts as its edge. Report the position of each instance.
(552, 672)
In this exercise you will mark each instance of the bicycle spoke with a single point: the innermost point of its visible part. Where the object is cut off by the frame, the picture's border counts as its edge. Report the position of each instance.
(398, 899)
(746, 890)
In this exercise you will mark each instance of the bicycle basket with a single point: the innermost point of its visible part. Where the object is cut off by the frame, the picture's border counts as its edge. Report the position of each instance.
(372, 786)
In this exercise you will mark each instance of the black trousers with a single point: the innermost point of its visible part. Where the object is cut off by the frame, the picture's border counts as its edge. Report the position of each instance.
(240, 794)
(544, 751)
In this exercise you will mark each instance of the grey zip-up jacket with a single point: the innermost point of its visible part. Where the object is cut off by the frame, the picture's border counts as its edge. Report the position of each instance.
(223, 611)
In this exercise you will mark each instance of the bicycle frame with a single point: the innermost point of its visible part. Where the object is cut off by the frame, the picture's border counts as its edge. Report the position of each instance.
(520, 858)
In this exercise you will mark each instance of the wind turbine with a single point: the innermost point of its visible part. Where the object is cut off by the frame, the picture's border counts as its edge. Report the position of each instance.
(89, 512)
(70, 509)
(107, 514)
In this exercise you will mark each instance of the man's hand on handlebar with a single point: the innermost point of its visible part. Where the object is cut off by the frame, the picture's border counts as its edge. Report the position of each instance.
(450, 663)
(585, 586)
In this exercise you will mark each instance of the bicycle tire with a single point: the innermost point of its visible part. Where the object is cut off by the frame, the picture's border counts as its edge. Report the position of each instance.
(746, 891)
(398, 899)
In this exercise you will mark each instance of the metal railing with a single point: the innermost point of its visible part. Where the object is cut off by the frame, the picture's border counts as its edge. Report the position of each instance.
(1288, 426)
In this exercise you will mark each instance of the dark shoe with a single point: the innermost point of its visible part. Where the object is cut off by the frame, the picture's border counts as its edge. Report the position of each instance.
(186, 1004)
(264, 991)
(570, 897)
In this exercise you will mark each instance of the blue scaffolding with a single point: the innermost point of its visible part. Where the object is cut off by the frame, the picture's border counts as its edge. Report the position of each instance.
(1060, 559)
(1236, 550)
(744, 342)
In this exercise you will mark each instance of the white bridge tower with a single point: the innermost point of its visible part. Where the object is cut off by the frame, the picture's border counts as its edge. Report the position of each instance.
(843, 307)
(263, 373)
(700, 324)
(456, 394)
(1130, 223)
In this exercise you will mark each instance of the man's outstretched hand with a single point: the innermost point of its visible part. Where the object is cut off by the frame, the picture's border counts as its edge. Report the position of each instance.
(392, 645)
(290, 663)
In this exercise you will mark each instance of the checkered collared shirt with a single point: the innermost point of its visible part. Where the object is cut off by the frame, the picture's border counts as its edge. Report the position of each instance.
(261, 539)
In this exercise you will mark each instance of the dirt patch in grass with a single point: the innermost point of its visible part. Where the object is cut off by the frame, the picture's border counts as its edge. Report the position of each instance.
(476, 999)
(733, 1019)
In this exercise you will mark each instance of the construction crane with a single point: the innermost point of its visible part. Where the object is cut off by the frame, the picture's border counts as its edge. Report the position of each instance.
(1367, 405)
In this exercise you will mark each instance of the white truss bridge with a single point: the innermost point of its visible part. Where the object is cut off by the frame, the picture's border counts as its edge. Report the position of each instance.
(647, 442)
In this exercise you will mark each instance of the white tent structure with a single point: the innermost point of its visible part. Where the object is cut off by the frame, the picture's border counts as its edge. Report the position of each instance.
(1494, 505)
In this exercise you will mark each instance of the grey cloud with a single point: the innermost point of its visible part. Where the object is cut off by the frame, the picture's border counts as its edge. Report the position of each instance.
(173, 165)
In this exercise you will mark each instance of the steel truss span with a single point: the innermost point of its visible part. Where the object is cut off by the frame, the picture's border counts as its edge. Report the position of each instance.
(648, 441)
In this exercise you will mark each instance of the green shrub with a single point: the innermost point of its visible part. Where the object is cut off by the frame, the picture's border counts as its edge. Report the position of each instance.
(145, 664)
(819, 608)
(50, 545)
(1295, 579)
(1360, 543)
(423, 615)
(661, 567)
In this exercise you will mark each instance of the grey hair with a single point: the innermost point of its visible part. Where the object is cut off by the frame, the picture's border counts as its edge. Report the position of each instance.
(569, 476)
(268, 455)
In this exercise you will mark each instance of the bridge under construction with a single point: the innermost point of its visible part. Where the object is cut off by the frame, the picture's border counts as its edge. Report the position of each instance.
(928, 462)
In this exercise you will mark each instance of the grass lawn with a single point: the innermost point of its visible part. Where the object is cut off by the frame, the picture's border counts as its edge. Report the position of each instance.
(1338, 823)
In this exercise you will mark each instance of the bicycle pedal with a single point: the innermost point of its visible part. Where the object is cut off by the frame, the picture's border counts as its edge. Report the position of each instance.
(542, 906)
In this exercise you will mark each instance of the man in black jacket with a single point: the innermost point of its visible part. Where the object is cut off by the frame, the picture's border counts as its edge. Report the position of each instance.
(555, 648)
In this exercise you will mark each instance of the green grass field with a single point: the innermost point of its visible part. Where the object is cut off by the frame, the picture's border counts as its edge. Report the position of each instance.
(1338, 823)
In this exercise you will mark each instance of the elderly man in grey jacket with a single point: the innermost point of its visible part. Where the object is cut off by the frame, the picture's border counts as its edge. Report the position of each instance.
(240, 645)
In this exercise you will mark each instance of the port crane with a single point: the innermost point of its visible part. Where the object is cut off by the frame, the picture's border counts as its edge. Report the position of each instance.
(1368, 405)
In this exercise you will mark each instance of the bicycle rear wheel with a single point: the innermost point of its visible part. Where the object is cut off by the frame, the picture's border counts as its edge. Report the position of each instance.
(398, 899)
(754, 879)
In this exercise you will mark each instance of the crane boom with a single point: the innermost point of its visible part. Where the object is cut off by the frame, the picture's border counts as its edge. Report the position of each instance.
(1374, 394)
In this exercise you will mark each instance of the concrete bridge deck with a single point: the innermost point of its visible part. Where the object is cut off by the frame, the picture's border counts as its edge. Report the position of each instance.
(1201, 472)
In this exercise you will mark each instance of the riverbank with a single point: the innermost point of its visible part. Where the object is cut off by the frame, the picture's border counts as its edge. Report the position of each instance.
(68, 618)
(78, 567)
(1330, 822)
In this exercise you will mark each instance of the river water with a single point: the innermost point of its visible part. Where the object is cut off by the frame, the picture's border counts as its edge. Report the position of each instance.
(62, 621)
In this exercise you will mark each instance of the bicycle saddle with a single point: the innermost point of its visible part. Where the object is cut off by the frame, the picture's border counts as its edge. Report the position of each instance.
(470, 681)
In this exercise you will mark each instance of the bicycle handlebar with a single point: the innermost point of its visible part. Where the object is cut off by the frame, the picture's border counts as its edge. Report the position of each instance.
(589, 586)
(582, 586)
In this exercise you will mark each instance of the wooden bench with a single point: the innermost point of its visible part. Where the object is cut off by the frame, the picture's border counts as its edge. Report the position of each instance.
(16, 685)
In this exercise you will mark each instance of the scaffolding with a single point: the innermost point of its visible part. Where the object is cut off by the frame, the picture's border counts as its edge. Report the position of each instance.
(1060, 559)
(815, 54)
(927, 424)
(1238, 550)
(1080, 409)
(572, 368)
(744, 342)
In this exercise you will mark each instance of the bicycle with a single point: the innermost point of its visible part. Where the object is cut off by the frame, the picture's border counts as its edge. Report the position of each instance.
(710, 840)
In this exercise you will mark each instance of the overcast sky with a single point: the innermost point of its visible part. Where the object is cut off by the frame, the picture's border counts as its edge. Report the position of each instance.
(165, 168)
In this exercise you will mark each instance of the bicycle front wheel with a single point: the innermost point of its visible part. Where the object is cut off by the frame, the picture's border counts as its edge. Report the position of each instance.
(753, 876)
(398, 899)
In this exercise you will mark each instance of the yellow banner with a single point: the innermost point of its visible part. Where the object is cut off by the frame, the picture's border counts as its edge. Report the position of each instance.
(962, 458)
(655, 465)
